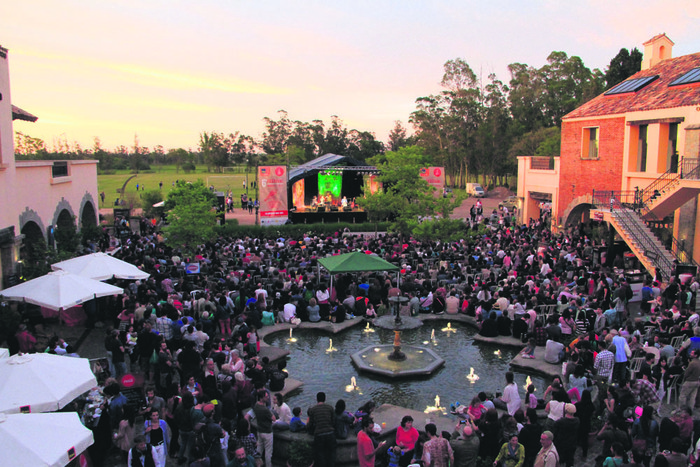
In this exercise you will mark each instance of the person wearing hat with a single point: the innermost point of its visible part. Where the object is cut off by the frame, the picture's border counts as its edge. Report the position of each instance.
(566, 439)
(465, 444)
(548, 455)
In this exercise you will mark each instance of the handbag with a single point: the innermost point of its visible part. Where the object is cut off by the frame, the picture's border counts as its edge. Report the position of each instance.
(154, 358)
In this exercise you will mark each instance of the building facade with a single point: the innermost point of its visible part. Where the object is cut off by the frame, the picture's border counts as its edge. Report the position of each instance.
(36, 196)
(637, 141)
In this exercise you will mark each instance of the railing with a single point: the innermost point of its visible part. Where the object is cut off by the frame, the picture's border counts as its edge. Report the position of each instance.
(541, 163)
(654, 189)
(627, 198)
(690, 169)
(632, 225)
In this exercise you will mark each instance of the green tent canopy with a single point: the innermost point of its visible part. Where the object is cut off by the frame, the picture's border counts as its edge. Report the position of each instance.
(356, 262)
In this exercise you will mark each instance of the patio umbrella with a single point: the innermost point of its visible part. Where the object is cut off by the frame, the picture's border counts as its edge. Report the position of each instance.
(100, 266)
(42, 382)
(46, 439)
(59, 290)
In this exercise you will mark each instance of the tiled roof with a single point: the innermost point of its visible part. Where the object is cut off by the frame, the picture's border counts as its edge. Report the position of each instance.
(658, 36)
(657, 95)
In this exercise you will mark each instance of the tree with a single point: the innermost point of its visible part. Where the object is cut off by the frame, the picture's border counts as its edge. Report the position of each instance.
(214, 149)
(406, 195)
(29, 146)
(148, 199)
(622, 66)
(191, 215)
(275, 138)
(397, 137)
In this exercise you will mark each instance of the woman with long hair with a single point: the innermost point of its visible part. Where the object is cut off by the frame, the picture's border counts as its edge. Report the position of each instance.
(645, 431)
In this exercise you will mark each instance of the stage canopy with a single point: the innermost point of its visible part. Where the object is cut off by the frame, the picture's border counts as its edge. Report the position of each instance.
(356, 262)
(328, 160)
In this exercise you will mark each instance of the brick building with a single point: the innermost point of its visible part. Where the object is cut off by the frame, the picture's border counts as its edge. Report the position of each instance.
(639, 139)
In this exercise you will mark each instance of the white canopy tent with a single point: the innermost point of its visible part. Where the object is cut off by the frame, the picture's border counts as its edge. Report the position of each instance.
(42, 382)
(44, 439)
(59, 290)
(100, 267)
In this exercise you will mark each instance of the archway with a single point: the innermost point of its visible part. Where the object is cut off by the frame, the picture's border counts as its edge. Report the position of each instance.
(33, 252)
(578, 214)
(88, 216)
(65, 232)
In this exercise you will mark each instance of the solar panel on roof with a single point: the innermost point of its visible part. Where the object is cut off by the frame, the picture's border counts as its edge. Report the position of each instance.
(693, 76)
(631, 85)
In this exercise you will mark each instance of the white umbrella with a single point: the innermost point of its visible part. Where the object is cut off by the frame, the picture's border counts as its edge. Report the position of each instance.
(101, 266)
(59, 290)
(43, 439)
(42, 382)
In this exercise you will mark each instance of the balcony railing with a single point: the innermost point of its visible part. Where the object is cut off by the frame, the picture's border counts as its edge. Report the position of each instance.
(541, 163)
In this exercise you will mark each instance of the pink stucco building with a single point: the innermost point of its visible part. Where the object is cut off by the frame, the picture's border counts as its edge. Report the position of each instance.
(36, 196)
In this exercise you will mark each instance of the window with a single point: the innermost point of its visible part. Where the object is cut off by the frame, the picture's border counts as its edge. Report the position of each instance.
(693, 76)
(672, 152)
(631, 85)
(642, 148)
(59, 169)
(590, 143)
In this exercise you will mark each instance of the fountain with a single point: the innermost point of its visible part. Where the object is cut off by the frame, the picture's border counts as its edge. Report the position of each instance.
(291, 339)
(473, 377)
(449, 328)
(394, 360)
(368, 329)
(322, 371)
(330, 347)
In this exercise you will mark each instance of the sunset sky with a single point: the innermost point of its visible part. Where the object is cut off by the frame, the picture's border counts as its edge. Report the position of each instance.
(168, 70)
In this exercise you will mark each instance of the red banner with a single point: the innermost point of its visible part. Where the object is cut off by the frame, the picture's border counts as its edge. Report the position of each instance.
(435, 176)
(272, 183)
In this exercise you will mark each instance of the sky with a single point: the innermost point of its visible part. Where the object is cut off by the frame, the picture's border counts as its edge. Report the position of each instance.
(164, 71)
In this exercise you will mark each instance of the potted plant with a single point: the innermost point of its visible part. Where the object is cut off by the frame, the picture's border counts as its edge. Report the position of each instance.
(300, 454)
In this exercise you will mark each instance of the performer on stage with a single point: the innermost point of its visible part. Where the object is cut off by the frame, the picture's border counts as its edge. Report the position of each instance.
(344, 202)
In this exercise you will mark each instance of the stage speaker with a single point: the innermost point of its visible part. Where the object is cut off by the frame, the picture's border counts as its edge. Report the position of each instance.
(321, 209)
(347, 208)
(334, 208)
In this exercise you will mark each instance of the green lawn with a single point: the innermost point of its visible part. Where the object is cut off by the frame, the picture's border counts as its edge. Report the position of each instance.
(168, 175)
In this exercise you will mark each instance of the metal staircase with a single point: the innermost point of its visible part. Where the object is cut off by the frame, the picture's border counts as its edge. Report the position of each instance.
(671, 190)
(642, 241)
(627, 217)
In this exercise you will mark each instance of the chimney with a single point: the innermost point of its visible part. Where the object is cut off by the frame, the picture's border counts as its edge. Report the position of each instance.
(658, 48)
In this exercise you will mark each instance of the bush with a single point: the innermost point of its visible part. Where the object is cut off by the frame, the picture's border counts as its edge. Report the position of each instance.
(188, 167)
(293, 230)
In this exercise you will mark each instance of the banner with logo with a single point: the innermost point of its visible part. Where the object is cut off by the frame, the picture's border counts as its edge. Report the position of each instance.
(372, 184)
(298, 194)
(272, 183)
(435, 176)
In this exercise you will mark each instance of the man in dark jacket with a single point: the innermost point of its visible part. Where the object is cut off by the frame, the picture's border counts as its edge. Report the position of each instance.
(322, 426)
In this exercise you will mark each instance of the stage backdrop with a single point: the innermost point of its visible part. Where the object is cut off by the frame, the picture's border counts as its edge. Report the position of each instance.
(272, 182)
(435, 176)
(330, 184)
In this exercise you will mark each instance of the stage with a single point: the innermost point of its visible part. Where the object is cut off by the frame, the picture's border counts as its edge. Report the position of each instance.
(311, 215)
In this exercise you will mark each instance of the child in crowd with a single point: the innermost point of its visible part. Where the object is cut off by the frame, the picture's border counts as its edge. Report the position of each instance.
(531, 398)
(529, 351)
(295, 424)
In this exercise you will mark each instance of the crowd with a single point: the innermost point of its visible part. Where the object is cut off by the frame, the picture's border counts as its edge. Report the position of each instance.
(194, 338)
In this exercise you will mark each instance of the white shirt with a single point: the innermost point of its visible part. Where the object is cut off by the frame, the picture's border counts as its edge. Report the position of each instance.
(289, 312)
(512, 398)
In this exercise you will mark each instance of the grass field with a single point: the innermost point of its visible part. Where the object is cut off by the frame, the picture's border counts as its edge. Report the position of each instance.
(168, 175)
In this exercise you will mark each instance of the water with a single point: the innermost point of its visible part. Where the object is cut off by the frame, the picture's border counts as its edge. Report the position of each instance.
(331, 372)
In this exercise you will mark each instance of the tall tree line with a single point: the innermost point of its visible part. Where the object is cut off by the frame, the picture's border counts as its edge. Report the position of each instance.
(473, 127)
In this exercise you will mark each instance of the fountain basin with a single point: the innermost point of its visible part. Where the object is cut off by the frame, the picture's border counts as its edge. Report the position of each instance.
(420, 361)
(388, 322)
